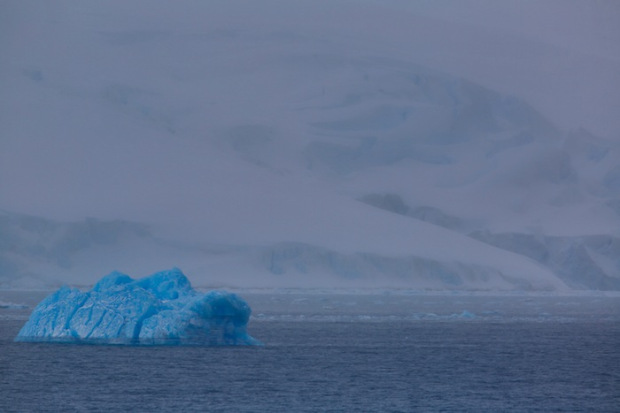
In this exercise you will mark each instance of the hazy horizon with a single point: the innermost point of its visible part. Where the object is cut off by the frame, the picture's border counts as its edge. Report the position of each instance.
(351, 140)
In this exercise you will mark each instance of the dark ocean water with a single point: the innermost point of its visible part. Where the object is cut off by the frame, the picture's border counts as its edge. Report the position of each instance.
(343, 353)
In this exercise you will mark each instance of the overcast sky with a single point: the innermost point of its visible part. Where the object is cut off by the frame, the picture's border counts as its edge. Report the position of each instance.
(561, 56)
(250, 124)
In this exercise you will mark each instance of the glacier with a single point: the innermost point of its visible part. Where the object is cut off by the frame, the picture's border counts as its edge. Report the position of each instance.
(162, 309)
(317, 150)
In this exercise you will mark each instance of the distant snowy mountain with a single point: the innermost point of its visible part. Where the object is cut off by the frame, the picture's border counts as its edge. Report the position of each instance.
(253, 154)
(37, 253)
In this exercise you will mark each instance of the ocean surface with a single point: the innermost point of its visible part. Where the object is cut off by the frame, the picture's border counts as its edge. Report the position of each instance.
(326, 352)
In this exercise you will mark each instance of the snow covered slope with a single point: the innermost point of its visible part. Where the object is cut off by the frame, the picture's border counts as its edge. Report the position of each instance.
(274, 146)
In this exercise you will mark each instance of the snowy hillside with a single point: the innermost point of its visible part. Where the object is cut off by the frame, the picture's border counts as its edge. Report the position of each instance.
(268, 151)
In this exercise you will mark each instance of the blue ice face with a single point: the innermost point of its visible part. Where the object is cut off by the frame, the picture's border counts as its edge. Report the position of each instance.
(162, 309)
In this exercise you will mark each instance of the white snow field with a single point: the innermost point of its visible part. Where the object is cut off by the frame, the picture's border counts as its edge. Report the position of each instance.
(304, 144)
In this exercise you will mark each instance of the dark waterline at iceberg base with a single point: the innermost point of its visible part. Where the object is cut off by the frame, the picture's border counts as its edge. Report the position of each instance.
(342, 353)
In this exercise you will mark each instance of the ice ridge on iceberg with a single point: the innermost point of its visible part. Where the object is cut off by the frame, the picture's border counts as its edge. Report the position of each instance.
(162, 309)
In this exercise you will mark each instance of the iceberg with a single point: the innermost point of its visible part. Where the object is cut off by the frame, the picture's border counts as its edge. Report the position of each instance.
(162, 309)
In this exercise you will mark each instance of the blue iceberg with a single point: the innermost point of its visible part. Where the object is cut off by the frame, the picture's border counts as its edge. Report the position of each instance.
(162, 309)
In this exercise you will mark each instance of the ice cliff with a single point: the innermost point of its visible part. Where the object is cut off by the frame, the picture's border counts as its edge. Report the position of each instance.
(162, 309)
